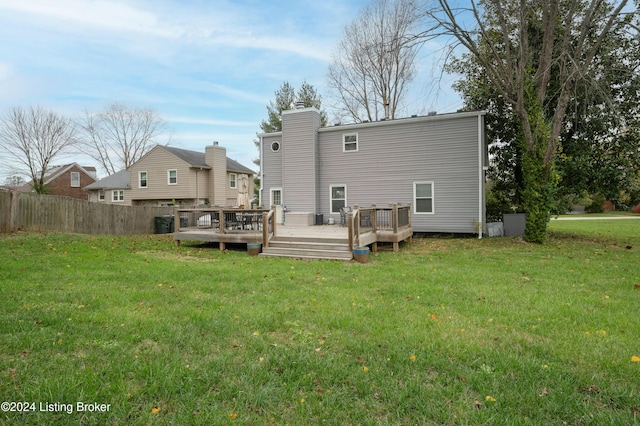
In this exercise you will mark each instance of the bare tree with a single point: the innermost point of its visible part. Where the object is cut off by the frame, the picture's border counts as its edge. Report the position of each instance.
(119, 136)
(375, 60)
(34, 137)
(520, 67)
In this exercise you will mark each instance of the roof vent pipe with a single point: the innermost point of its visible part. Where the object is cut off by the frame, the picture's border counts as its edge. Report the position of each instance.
(386, 110)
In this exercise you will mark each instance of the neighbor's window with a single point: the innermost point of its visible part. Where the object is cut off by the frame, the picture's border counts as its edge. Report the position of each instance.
(350, 142)
(423, 197)
(338, 197)
(172, 177)
(117, 196)
(142, 179)
(75, 179)
(233, 180)
(100, 195)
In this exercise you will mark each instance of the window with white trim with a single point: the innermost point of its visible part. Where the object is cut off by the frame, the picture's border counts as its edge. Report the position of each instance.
(233, 180)
(142, 180)
(338, 194)
(423, 197)
(349, 142)
(117, 195)
(100, 195)
(75, 179)
(172, 177)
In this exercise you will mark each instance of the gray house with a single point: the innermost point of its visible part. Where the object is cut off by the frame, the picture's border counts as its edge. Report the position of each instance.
(435, 163)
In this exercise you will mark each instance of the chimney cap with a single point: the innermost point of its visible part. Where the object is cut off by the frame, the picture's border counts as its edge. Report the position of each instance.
(215, 143)
(299, 104)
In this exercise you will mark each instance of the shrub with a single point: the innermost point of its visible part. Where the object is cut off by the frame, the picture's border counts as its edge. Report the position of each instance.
(597, 204)
(636, 209)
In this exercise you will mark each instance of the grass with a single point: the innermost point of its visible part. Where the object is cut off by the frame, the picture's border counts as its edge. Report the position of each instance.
(448, 331)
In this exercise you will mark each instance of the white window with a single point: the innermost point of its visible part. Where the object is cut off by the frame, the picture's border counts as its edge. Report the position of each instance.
(142, 180)
(172, 177)
(117, 196)
(350, 142)
(100, 195)
(423, 197)
(338, 197)
(75, 179)
(233, 180)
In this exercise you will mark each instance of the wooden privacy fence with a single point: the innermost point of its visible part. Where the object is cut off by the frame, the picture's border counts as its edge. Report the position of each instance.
(50, 213)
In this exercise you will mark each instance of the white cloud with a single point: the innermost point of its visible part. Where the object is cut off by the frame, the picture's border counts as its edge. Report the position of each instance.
(100, 14)
(207, 122)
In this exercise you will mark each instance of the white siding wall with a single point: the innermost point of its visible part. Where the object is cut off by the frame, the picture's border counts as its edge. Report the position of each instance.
(392, 156)
(271, 168)
(299, 140)
(446, 150)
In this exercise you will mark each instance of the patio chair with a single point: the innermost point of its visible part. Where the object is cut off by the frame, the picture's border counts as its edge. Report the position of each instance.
(344, 215)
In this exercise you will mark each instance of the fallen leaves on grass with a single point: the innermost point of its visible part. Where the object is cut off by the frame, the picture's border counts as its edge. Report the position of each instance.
(155, 410)
(635, 358)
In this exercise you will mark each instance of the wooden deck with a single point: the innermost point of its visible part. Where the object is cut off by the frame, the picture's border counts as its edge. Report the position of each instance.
(361, 227)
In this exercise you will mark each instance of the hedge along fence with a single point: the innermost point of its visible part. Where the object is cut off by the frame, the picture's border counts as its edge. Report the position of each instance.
(50, 213)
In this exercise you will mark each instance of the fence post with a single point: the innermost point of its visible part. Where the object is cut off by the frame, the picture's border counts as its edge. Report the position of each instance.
(13, 212)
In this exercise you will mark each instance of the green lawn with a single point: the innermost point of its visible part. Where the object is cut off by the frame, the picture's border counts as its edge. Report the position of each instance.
(447, 331)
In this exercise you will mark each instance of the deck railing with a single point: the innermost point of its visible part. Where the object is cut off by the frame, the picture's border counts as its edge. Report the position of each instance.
(226, 221)
(362, 221)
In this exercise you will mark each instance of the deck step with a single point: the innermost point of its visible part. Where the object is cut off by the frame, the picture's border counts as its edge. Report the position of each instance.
(306, 253)
(308, 245)
(291, 239)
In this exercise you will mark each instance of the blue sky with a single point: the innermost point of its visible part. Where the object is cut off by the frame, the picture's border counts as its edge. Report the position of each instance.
(208, 67)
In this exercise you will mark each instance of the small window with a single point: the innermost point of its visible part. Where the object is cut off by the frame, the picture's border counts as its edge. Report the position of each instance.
(117, 196)
(423, 197)
(75, 179)
(100, 195)
(275, 146)
(338, 197)
(142, 179)
(172, 177)
(233, 180)
(350, 142)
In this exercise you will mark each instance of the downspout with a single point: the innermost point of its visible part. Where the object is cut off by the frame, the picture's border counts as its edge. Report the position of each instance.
(480, 174)
(261, 176)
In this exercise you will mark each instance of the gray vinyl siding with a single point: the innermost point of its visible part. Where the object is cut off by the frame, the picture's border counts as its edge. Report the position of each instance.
(271, 168)
(299, 141)
(392, 156)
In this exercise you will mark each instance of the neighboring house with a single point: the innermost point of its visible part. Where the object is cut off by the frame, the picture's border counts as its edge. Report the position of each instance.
(435, 163)
(111, 189)
(68, 181)
(167, 175)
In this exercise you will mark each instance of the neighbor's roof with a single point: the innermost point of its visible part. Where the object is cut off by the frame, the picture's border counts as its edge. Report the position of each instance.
(119, 180)
(197, 159)
(194, 158)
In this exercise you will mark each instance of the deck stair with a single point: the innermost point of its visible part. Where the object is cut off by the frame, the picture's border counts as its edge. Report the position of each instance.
(308, 248)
